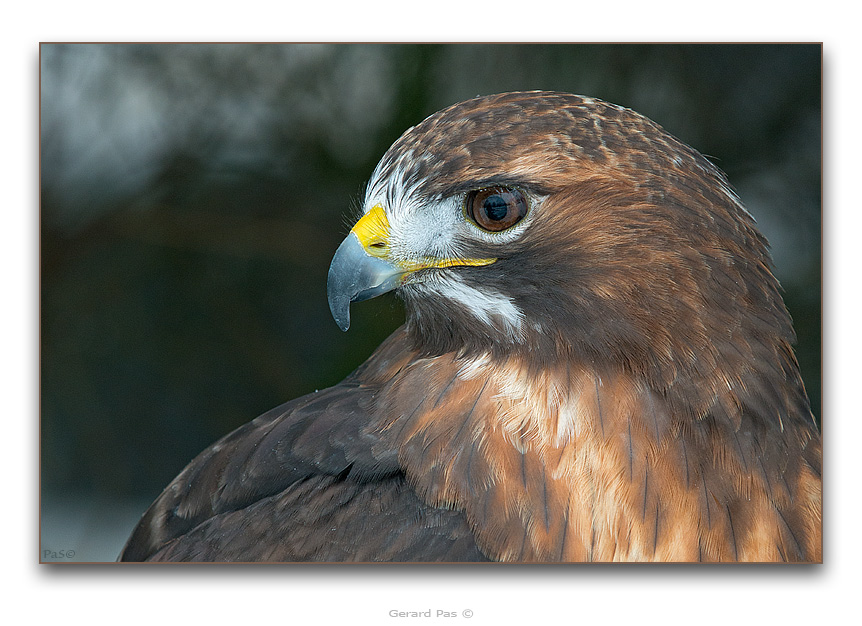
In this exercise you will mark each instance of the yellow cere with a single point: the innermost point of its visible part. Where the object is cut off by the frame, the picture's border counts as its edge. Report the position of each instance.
(372, 230)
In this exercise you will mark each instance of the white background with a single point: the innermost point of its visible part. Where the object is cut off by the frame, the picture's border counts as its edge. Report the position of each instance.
(364, 595)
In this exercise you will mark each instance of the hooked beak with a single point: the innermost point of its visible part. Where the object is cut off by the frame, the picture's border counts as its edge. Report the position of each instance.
(362, 267)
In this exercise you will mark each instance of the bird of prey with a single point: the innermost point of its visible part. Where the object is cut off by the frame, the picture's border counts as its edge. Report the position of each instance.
(596, 365)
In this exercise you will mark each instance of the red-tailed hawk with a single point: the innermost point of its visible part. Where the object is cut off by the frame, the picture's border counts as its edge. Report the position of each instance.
(596, 366)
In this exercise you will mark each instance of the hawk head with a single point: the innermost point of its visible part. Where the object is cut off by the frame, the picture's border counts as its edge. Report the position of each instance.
(557, 226)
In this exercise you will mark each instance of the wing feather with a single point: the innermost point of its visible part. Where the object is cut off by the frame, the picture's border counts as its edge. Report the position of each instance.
(304, 481)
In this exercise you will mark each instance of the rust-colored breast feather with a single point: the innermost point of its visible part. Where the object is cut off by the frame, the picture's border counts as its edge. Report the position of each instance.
(578, 465)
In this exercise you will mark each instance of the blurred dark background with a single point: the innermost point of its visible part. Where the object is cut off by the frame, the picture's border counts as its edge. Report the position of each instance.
(192, 197)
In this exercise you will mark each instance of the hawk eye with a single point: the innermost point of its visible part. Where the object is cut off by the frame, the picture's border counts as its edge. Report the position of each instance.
(496, 208)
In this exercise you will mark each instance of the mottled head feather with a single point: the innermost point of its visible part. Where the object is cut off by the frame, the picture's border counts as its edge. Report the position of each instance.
(639, 253)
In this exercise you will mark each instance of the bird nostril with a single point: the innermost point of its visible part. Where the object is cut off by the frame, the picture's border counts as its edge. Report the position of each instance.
(377, 248)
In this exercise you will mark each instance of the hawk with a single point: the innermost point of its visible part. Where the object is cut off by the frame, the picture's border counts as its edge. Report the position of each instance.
(596, 365)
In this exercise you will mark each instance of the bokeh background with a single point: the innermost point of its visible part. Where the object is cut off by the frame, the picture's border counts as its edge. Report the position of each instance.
(193, 194)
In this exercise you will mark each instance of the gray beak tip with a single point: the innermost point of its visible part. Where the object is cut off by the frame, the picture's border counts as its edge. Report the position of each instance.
(355, 276)
(339, 302)
(343, 322)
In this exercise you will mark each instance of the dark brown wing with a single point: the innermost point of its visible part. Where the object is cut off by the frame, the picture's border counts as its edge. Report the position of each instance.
(302, 483)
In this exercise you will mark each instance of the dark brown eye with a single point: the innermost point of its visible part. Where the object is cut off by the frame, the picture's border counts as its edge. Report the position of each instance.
(496, 208)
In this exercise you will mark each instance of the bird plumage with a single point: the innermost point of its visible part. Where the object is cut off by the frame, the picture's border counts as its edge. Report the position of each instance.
(609, 378)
